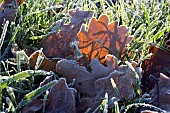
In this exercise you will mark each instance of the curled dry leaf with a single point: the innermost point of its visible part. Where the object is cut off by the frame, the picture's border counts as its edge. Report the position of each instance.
(58, 44)
(154, 66)
(101, 35)
(164, 93)
(84, 80)
(61, 98)
(47, 65)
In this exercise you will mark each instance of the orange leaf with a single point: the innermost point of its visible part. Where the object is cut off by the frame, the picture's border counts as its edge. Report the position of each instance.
(46, 64)
(101, 35)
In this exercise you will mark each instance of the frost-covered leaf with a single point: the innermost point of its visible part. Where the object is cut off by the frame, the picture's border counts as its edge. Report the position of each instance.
(8, 9)
(58, 44)
(123, 80)
(164, 93)
(96, 83)
(101, 35)
(84, 80)
(61, 98)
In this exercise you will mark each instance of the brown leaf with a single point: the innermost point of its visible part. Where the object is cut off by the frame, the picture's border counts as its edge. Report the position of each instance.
(164, 93)
(47, 65)
(61, 98)
(124, 81)
(102, 33)
(58, 44)
(123, 77)
(84, 80)
(72, 71)
(158, 63)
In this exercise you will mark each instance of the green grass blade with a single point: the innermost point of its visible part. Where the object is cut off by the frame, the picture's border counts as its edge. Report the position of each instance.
(3, 34)
(19, 76)
(32, 95)
(12, 95)
(10, 104)
(116, 107)
(116, 89)
(136, 78)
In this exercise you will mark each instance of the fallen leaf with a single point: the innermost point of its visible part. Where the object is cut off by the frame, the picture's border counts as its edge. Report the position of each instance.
(96, 83)
(101, 35)
(164, 93)
(47, 65)
(61, 98)
(84, 80)
(123, 77)
(154, 66)
(58, 44)
(124, 81)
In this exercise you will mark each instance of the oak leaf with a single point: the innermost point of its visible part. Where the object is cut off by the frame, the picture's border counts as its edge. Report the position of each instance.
(61, 98)
(123, 77)
(84, 80)
(101, 35)
(58, 44)
(163, 95)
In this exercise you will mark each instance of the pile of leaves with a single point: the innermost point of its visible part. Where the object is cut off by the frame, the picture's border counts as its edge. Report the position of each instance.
(78, 70)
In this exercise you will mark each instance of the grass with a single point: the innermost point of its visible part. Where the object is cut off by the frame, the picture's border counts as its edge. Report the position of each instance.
(148, 22)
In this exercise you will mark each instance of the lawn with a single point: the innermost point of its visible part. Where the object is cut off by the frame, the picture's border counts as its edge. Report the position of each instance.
(78, 56)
